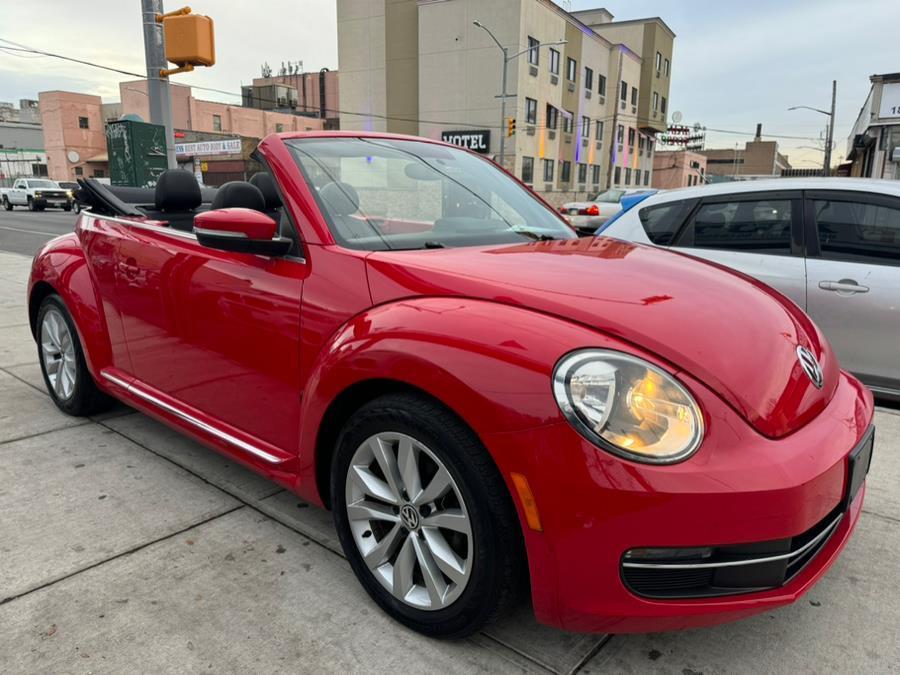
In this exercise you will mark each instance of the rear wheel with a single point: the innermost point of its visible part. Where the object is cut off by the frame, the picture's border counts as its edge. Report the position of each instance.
(68, 380)
(424, 517)
(6, 204)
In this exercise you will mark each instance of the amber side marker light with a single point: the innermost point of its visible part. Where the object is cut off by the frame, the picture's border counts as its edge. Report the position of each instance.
(529, 505)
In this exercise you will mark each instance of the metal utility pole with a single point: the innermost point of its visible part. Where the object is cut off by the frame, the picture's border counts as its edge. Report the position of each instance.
(158, 86)
(503, 95)
(830, 141)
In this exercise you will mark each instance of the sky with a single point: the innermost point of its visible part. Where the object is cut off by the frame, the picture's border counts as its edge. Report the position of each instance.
(735, 63)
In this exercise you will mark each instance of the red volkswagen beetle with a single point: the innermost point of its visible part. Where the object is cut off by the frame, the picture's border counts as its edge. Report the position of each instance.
(397, 330)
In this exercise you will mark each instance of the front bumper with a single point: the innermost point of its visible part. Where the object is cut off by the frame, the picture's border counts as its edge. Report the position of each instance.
(739, 488)
(53, 202)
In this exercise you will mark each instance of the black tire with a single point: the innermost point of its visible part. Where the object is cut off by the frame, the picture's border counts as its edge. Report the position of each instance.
(498, 560)
(67, 207)
(31, 206)
(7, 205)
(86, 398)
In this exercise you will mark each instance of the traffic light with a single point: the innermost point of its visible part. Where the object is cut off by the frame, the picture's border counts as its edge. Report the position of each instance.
(510, 126)
(189, 40)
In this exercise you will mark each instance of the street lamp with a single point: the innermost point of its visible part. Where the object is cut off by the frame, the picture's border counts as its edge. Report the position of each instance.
(506, 59)
(826, 169)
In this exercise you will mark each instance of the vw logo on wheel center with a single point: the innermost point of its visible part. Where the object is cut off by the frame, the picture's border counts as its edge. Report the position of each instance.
(810, 366)
(409, 517)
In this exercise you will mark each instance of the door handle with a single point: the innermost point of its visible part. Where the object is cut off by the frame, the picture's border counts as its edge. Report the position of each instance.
(843, 286)
(129, 268)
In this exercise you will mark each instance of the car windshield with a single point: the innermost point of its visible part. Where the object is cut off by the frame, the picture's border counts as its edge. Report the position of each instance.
(387, 194)
(614, 196)
(41, 184)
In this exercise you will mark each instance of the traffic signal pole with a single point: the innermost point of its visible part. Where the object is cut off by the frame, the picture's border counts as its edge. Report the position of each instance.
(158, 86)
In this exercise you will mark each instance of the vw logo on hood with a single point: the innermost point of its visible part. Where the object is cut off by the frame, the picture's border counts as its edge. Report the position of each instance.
(810, 366)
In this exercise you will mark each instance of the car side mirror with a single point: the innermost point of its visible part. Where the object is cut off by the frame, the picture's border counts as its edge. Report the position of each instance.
(241, 231)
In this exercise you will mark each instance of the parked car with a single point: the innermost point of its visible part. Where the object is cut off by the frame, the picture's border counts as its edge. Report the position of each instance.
(587, 216)
(37, 194)
(831, 245)
(397, 330)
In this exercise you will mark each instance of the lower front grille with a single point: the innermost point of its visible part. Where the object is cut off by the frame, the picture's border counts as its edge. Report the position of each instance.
(724, 570)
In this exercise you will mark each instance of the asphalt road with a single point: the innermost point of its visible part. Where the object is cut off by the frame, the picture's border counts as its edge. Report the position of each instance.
(23, 231)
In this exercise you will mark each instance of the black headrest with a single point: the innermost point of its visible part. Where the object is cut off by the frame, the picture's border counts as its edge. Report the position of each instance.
(239, 194)
(341, 198)
(177, 190)
(266, 185)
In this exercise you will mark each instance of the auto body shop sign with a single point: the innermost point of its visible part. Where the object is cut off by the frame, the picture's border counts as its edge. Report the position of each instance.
(229, 146)
(477, 140)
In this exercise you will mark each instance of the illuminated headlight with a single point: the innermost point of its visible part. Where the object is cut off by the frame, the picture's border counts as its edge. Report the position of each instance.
(627, 406)
(70, 194)
(37, 195)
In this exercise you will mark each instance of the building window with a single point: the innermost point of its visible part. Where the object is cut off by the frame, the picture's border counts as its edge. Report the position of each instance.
(649, 148)
(99, 173)
(217, 123)
(279, 127)
(620, 134)
(548, 170)
(83, 123)
(617, 176)
(627, 176)
(637, 176)
(630, 137)
(623, 93)
(79, 171)
(582, 173)
(39, 170)
(595, 174)
(658, 62)
(599, 130)
(571, 69)
(634, 95)
(565, 171)
(530, 111)
(667, 68)
(552, 116)
(641, 143)
(662, 105)
(655, 101)
(588, 79)
(647, 177)
(528, 170)
(585, 126)
(601, 87)
(554, 61)
(568, 122)
(533, 50)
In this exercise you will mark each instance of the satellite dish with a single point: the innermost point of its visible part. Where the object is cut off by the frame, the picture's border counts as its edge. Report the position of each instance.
(132, 117)
(73, 156)
(677, 116)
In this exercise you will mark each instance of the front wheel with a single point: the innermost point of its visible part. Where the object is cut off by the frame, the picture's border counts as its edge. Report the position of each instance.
(31, 206)
(424, 517)
(65, 371)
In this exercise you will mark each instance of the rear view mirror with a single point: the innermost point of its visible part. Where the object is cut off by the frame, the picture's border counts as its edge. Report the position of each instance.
(240, 230)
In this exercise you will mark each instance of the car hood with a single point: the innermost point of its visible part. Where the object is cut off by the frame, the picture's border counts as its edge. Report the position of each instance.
(727, 330)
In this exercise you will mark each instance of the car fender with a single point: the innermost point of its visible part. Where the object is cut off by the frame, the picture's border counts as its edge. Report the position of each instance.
(61, 267)
(488, 362)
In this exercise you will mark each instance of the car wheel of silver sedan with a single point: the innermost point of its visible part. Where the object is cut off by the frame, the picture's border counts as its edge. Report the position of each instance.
(424, 516)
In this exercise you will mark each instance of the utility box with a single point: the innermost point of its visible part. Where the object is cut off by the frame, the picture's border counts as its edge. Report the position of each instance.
(189, 39)
(137, 152)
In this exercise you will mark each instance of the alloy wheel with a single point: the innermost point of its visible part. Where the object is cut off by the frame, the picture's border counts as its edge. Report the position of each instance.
(409, 521)
(58, 354)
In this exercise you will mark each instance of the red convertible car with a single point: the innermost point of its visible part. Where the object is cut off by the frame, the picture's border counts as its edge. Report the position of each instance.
(397, 330)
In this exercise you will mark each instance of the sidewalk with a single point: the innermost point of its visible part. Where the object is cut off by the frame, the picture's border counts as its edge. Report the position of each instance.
(126, 547)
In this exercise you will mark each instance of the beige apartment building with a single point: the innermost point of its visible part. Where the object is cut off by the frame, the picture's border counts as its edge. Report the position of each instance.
(586, 112)
(757, 159)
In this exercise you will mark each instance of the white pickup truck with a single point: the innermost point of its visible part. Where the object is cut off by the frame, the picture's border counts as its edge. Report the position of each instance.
(37, 194)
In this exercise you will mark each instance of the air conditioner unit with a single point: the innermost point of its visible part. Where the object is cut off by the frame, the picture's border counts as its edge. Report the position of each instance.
(548, 187)
(551, 134)
(554, 79)
(895, 156)
(602, 100)
(657, 73)
(599, 144)
(622, 105)
(529, 131)
(634, 110)
(620, 147)
(584, 142)
(532, 70)
(568, 139)
(571, 86)
(587, 93)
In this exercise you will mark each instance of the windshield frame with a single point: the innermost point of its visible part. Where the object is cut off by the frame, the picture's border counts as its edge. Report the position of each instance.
(394, 242)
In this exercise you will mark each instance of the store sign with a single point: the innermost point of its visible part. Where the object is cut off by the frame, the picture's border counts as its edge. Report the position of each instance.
(230, 146)
(890, 100)
(478, 140)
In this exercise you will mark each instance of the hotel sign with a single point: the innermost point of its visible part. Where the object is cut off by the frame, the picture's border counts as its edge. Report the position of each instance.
(477, 140)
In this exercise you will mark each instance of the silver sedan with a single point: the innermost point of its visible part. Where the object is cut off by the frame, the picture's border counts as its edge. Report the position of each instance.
(830, 244)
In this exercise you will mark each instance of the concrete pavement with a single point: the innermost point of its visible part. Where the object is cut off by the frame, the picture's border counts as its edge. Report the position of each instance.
(127, 547)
